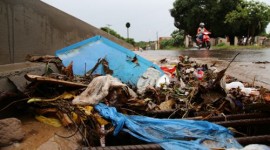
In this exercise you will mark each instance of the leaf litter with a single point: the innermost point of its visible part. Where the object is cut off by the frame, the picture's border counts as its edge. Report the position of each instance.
(70, 98)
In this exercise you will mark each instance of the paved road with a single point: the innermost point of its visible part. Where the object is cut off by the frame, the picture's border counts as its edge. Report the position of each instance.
(245, 55)
(242, 68)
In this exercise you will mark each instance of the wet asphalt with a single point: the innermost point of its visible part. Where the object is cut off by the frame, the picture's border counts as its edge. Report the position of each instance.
(244, 56)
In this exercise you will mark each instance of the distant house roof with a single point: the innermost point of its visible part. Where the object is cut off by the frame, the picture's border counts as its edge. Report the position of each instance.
(164, 38)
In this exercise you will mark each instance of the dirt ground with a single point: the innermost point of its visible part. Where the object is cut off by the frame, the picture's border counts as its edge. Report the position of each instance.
(40, 136)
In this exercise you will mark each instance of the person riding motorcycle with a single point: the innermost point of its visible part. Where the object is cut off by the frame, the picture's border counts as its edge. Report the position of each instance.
(200, 31)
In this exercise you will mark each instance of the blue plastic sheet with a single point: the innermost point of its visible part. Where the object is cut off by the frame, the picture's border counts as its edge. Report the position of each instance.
(85, 55)
(171, 134)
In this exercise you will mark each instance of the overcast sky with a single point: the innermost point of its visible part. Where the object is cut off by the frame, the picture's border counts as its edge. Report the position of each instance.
(149, 19)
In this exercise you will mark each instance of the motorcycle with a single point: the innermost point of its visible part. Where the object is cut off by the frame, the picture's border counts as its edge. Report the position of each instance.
(205, 42)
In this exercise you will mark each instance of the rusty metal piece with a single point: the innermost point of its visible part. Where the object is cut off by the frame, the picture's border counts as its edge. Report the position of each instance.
(244, 122)
(162, 113)
(130, 147)
(238, 116)
(262, 139)
(232, 117)
(154, 112)
(166, 113)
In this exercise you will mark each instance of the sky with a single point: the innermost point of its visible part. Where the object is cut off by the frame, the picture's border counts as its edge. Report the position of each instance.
(149, 19)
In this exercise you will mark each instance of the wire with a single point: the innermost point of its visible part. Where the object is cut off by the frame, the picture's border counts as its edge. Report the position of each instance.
(13, 103)
(77, 129)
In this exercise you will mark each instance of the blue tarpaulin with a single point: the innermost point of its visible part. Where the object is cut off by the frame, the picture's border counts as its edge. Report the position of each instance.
(85, 55)
(171, 134)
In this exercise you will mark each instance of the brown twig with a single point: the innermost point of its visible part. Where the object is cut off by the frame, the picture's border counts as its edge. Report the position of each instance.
(210, 115)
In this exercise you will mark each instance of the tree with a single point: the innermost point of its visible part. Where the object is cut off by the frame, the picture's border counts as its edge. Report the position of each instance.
(176, 40)
(166, 43)
(114, 33)
(141, 44)
(178, 37)
(188, 14)
(183, 12)
(130, 41)
(250, 18)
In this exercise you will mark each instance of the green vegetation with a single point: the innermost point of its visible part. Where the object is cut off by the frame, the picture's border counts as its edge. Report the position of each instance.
(222, 46)
(178, 37)
(130, 41)
(173, 48)
(188, 14)
(176, 41)
(231, 18)
(250, 18)
(265, 34)
(141, 44)
(165, 44)
(114, 33)
(222, 17)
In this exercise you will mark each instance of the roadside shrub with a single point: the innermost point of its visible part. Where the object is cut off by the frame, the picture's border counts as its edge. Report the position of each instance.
(166, 43)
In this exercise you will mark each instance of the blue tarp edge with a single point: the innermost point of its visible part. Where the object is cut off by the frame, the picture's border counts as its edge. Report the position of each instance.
(108, 42)
(77, 45)
(171, 134)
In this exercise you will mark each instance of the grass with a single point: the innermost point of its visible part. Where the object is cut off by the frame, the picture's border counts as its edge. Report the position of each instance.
(173, 48)
(221, 47)
(231, 47)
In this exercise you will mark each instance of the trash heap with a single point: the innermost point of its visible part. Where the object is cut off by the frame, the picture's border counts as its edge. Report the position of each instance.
(186, 91)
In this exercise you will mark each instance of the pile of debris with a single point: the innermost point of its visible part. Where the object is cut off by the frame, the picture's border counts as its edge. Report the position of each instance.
(188, 90)
(102, 90)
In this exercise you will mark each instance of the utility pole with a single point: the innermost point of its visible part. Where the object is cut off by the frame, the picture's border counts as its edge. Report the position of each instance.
(127, 34)
(127, 25)
(108, 25)
(157, 41)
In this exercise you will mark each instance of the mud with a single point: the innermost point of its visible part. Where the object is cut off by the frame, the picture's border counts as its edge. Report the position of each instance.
(41, 136)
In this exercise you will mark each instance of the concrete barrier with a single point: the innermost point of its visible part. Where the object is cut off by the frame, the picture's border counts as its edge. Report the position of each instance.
(12, 75)
(33, 27)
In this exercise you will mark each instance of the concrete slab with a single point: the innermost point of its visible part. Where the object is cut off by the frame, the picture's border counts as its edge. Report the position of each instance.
(12, 75)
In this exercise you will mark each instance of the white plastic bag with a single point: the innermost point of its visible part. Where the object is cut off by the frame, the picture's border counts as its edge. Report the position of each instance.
(163, 80)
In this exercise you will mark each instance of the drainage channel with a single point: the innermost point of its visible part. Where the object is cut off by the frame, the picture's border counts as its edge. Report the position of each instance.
(257, 122)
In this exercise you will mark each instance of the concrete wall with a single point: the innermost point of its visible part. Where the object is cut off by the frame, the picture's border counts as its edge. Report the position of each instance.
(222, 40)
(33, 27)
(266, 42)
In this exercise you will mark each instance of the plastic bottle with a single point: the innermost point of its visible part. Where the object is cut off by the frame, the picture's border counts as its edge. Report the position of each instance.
(199, 74)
